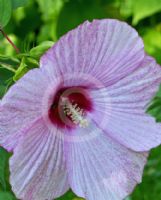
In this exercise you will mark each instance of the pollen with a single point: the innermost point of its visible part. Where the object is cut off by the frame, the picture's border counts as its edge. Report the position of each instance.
(75, 113)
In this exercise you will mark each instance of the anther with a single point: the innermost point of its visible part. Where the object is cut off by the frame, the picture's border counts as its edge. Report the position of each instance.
(75, 113)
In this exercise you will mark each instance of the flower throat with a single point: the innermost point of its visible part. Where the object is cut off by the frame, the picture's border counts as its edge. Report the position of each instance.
(70, 107)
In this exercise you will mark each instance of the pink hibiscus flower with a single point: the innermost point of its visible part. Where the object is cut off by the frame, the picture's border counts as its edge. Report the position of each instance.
(79, 120)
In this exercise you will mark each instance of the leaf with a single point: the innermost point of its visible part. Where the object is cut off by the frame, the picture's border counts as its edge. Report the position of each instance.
(21, 70)
(50, 11)
(152, 46)
(30, 23)
(142, 9)
(18, 3)
(12, 62)
(126, 8)
(39, 50)
(69, 195)
(31, 63)
(154, 108)
(76, 12)
(149, 189)
(6, 196)
(5, 76)
(3, 165)
(50, 8)
(5, 12)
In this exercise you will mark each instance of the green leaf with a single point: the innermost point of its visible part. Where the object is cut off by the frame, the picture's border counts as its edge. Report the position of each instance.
(31, 63)
(6, 196)
(9, 62)
(152, 41)
(50, 10)
(5, 12)
(154, 108)
(18, 3)
(4, 156)
(5, 79)
(21, 70)
(126, 8)
(149, 189)
(145, 8)
(39, 50)
(76, 12)
(69, 195)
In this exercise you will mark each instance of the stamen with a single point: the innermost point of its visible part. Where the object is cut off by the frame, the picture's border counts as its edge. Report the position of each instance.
(75, 113)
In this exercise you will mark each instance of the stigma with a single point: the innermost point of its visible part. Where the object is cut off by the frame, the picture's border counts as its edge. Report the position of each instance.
(74, 113)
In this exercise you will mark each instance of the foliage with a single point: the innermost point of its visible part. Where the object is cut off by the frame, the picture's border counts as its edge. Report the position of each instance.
(5, 12)
(142, 9)
(34, 25)
(155, 106)
(6, 9)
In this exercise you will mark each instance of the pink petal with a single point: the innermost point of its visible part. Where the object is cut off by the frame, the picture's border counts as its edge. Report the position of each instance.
(120, 109)
(99, 168)
(106, 50)
(22, 105)
(37, 165)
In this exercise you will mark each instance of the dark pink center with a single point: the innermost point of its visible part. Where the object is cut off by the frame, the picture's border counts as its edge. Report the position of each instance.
(68, 106)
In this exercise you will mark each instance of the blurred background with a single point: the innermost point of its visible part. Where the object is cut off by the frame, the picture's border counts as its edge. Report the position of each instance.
(47, 20)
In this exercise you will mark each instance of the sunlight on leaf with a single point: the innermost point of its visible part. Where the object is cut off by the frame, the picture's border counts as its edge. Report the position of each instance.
(126, 8)
(152, 41)
(38, 51)
(142, 9)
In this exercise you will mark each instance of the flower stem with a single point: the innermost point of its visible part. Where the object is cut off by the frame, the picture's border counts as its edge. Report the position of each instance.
(9, 40)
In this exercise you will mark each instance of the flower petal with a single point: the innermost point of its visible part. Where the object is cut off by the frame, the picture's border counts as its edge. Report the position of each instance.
(99, 168)
(105, 49)
(21, 106)
(123, 107)
(37, 165)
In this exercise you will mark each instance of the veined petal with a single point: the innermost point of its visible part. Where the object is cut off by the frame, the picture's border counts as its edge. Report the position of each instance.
(22, 105)
(37, 166)
(123, 108)
(99, 168)
(107, 50)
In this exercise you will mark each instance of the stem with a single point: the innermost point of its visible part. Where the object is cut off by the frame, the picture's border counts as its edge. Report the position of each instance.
(9, 40)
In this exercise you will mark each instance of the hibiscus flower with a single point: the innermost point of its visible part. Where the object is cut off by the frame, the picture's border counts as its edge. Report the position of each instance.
(79, 120)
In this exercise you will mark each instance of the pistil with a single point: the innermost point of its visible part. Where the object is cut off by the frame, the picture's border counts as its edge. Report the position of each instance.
(75, 113)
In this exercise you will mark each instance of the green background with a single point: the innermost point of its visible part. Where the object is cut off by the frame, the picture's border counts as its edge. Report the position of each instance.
(30, 22)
